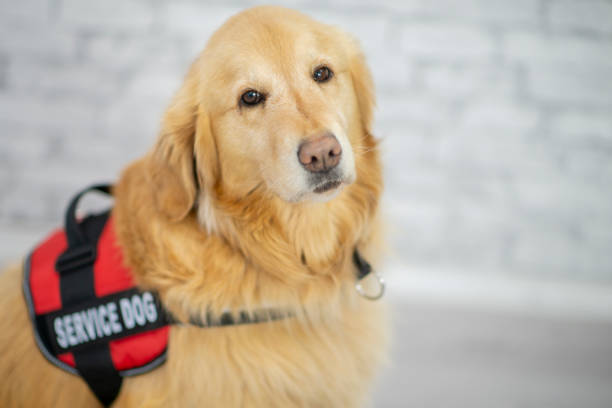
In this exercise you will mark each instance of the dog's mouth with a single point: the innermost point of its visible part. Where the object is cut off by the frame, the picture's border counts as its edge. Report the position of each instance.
(323, 182)
(327, 186)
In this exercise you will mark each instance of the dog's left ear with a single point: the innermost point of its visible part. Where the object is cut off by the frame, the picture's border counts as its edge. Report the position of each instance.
(170, 170)
(363, 85)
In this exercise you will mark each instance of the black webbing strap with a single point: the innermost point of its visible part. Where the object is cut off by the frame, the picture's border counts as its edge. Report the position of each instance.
(363, 267)
(75, 268)
(229, 319)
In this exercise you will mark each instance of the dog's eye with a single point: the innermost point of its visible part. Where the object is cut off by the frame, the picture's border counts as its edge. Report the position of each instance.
(322, 74)
(251, 97)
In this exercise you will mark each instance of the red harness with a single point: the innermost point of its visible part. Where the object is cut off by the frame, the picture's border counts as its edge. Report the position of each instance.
(89, 317)
(142, 351)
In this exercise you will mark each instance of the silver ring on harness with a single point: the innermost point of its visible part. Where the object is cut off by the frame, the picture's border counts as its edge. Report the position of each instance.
(381, 288)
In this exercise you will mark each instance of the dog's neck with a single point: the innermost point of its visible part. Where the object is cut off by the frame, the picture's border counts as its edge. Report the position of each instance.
(260, 251)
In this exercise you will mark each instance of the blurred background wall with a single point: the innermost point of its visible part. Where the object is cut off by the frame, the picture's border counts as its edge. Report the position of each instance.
(496, 124)
(495, 118)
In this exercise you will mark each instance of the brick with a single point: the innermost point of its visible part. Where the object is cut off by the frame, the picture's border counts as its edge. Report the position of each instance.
(393, 75)
(593, 16)
(589, 164)
(417, 108)
(26, 11)
(470, 236)
(369, 30)
(3, 71)
(493, 114)
(109, 161)
(34, 41)
(24, 202)
(53, 113)
(572, 85)
(135, 15)
(444, 42)
(501, 155)
(84, 81)
(555, 251)
(498, 12)
(580, 125)
(157, 83)
(481, 162)
(22, 239)
(470, 80)
(126, 54)
(547, 250)
(22, 145)
(193, 21)
(533, 47)
(134, 121)
(558, 200)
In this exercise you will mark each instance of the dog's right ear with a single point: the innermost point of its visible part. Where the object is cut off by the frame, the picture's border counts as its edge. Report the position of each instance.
(363, 85)
(185, 132)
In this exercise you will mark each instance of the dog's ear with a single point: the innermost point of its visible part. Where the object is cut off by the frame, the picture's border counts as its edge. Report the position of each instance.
(174, 171)
(363, 85)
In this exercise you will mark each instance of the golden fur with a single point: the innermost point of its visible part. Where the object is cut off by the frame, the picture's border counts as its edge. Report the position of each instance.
(233, 239)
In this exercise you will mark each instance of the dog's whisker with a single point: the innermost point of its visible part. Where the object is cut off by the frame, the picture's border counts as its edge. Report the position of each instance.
(251, 191)
(362, 152)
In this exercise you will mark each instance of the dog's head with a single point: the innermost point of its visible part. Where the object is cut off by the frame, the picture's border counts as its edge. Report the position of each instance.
(276, 102)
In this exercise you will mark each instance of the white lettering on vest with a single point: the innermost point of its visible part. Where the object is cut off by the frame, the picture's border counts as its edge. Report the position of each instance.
(103, 316)
(78, 328)
(94, 316)
(72, 340)
(105, 320)
(150, 309)
(113, 317)
(138, 310)
(126, 313)
(59, 332)
(88, 322)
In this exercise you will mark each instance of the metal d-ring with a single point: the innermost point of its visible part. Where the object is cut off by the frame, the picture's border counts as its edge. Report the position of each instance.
(381, 288)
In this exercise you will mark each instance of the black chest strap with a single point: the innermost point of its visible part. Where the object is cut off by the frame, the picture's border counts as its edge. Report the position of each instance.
(76, 277)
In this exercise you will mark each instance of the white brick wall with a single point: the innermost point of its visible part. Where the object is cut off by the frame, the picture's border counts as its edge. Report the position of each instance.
(495, 115)
(581, 16)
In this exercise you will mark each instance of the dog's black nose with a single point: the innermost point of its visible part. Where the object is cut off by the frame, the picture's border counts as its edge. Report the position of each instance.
(320, 153)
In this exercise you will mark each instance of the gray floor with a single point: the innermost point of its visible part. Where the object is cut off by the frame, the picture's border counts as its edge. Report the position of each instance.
(459, 357)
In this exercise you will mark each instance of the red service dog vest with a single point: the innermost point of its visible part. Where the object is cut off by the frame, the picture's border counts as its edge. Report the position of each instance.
(89, 317)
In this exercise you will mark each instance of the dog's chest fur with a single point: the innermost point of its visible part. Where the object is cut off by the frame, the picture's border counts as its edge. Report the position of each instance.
(327, 360)
(276, 364)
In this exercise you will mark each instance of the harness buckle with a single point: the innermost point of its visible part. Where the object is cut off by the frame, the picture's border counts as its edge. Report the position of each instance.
(75, 258)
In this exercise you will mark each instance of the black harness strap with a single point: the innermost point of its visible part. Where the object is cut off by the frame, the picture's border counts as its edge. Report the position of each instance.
(363, 267)
(75, 268)
(229, 319)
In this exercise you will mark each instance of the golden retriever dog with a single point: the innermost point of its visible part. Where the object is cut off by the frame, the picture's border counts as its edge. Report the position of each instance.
(262, 182)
